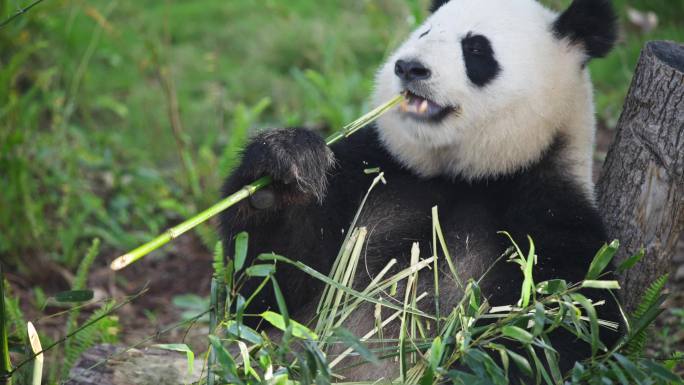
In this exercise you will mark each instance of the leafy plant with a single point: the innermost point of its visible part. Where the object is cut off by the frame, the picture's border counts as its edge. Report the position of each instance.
(473, 343)
(5, 363)
(648, 307)
(104, 330)
(100, 326)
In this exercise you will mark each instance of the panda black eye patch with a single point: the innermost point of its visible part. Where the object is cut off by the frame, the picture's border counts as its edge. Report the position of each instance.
(481, 66)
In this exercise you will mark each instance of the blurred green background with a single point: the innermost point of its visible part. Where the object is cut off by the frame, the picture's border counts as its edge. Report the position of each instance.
(119, 118)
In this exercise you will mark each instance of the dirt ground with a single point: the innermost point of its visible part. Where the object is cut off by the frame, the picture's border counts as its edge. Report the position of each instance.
(181, 268)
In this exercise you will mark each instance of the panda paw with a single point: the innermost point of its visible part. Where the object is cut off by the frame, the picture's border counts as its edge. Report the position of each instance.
(297, 160)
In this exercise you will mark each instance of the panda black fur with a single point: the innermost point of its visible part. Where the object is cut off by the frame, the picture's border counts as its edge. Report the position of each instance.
(500, 138)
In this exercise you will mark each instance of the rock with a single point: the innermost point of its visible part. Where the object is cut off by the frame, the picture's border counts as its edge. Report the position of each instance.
(115, 365)
(679, 275)
(679, 251)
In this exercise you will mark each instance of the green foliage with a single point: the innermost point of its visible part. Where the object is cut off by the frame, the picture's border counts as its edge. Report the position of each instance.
(105, 330)
(5, 363)
(219, 266)
(85, 144)
(14, 318)
(191, 305)
(100, 327)
(183, 348)
(81, 278)
(651, 299)
(74, 296)
(86, 147)
(476, 343)
(602, 259)
(74, 346)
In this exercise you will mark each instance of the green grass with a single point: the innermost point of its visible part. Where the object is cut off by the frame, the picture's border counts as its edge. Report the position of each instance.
(87, 145)
(85, 131)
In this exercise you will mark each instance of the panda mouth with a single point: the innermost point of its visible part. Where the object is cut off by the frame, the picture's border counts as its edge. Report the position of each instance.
(422, 108)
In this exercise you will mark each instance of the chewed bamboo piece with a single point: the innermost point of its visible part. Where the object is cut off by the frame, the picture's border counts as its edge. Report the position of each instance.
(174, 232)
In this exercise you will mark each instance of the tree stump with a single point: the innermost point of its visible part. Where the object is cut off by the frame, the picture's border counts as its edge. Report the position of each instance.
(641, 191)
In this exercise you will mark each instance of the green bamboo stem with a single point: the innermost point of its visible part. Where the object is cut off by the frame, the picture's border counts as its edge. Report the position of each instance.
(213, 323)
(5, 363)
(241, 194)
(191, 223)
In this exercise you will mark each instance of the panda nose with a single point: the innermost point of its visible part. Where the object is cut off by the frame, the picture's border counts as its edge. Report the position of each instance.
(411, 70)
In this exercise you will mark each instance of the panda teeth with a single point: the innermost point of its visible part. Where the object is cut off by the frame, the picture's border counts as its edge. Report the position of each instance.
(423, 107)
(416, 105)
(404, 106)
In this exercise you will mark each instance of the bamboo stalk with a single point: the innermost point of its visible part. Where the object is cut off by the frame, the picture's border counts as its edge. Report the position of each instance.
(241, 194)
(213, 323)
(5, 363)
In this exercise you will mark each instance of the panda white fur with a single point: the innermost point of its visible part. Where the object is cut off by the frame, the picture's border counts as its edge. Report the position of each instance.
(497, 130)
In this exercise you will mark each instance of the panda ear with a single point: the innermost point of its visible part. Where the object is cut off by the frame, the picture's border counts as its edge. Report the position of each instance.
(589, 23)
(436, 4)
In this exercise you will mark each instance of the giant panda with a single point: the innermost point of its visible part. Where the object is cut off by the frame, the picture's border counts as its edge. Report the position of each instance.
(496, 130)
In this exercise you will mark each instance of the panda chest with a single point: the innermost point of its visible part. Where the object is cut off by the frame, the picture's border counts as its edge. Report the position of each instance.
(400, 213)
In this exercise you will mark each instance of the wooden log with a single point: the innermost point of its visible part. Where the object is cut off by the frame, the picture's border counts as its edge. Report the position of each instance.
(641, 191)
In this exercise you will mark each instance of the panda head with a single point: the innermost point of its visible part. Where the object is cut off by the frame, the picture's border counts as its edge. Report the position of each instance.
(490, 84)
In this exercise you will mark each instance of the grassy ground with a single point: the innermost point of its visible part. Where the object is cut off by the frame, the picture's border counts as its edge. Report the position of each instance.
(118, 118)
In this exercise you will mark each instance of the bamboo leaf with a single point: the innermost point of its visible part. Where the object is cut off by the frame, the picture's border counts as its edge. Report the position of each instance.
(606, 285)
(631, 261)
(280, 299)
(593, 321)
(244, 353)
(428, 377)
(539, 319)
(602, 260)
(528, 281)
(551, 287)
(240, 306)
(661, 372)
(183, 348)
(241, 241)
(521, 362)
(260, 270)
(298, 330)
(539, 366)
(518, 334)
(74, 296)
(325, 279)
(436, 353)
(617, 371)
(233, 328)
(629, 367)
(226, 362)
(345, 336)
(552, 357)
